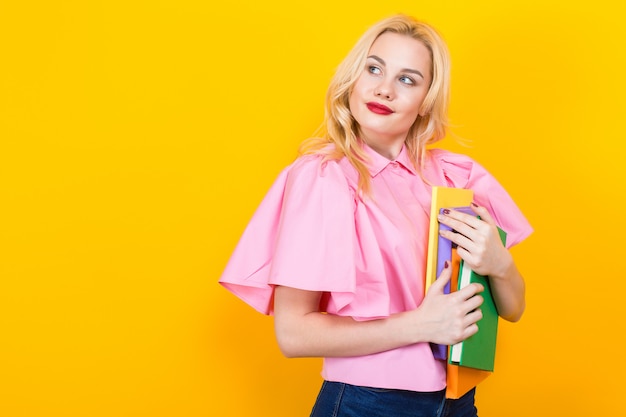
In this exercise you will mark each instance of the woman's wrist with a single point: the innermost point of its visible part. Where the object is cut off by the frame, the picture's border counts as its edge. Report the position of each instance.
(506, 268)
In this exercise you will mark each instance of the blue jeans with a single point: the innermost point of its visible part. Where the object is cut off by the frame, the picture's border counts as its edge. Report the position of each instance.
(337, 399)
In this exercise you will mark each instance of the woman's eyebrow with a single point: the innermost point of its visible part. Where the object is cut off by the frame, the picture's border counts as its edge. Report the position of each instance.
(382, 62)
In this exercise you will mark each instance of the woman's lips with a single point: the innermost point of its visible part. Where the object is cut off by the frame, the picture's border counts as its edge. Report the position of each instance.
(378, 108)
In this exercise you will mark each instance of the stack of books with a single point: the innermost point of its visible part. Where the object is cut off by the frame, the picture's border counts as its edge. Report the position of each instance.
(472, 360)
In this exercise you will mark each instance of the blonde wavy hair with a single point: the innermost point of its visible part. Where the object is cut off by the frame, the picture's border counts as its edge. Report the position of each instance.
(341, 129)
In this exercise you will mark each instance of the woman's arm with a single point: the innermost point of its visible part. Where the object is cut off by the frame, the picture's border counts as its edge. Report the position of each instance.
(303, 331)
(509, 291)
(480, 246)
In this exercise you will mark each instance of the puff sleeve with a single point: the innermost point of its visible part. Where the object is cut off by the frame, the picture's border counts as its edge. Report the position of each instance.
(460, 171)
(301, 236)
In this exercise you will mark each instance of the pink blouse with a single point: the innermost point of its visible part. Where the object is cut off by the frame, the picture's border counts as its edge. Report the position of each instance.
(367, 255)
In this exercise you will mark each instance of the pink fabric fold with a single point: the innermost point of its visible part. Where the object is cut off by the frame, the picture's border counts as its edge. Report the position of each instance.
(460, 171)
(301, 236)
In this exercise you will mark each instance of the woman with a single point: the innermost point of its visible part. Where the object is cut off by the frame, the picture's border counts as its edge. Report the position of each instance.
(336, 250)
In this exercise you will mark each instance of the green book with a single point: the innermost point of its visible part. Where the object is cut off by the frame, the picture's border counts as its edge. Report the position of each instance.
(479, 350)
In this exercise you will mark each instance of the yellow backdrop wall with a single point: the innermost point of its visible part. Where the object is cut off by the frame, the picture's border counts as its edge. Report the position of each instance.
(137, 138)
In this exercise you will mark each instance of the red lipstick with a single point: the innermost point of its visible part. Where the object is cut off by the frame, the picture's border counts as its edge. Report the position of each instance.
(378, 108)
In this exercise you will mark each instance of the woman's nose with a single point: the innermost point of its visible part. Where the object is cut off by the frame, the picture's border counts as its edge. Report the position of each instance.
(384, 90)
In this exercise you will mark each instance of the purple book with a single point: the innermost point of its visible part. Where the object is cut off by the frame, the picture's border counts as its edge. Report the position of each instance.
(444, 247)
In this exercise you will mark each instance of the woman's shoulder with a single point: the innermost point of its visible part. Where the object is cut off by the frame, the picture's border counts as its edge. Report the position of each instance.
(461, 171)
(455, 168)
(449, 157)
(320, 168)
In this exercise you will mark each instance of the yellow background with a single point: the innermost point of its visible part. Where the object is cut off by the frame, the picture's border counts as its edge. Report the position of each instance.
(138, 137)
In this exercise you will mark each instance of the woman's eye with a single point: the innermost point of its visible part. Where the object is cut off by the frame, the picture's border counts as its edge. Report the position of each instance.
(407, 80)
(373, 70)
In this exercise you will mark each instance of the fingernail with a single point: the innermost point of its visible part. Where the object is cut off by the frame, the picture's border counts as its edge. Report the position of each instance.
(446, 211)
(474, 204)
(446, 265)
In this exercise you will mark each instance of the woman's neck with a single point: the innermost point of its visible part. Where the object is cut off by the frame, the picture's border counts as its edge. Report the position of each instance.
(388, 149)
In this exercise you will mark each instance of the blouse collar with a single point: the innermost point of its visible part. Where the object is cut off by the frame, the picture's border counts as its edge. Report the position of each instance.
(377, 162)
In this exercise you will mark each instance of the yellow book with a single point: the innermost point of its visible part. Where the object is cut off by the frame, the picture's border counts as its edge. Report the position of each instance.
(443, 197)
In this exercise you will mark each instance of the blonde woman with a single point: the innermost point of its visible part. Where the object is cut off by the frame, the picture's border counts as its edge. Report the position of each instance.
(336, 250)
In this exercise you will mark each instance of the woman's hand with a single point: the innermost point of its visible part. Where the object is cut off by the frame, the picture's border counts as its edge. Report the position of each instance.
(479, 245)
(478, 241)
(447, 318)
